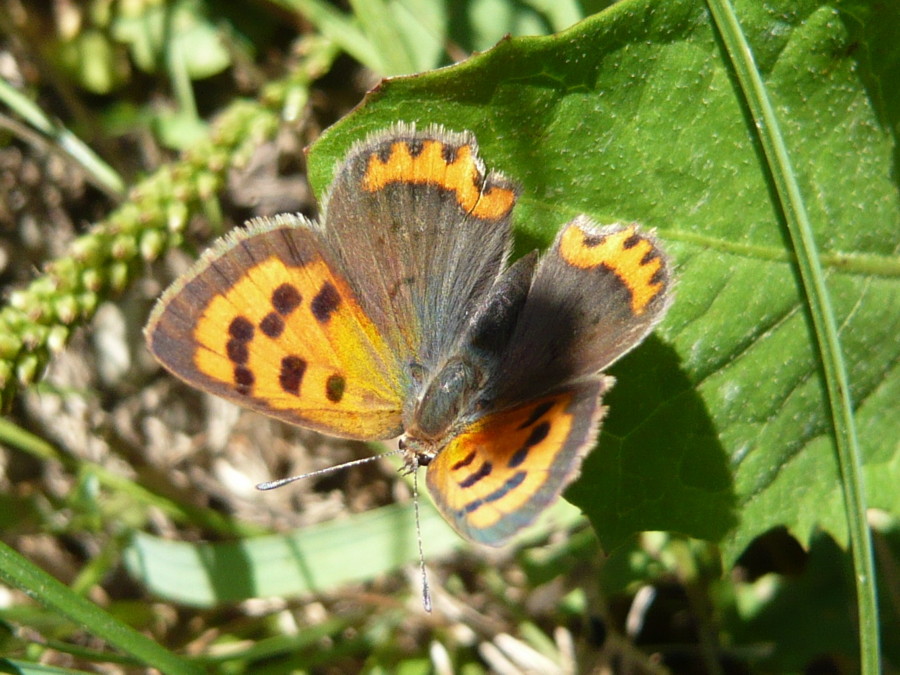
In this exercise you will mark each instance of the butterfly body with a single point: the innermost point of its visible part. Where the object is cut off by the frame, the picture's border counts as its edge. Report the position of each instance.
(398, 316)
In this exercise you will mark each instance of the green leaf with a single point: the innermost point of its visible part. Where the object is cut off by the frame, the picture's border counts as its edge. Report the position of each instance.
(313, 559)
(811, 608)
(408, 34)
(342, 29)
(394, 37)
(316, 559)
(151, 30)
(92, 61)
(478, 25)
(719, 425)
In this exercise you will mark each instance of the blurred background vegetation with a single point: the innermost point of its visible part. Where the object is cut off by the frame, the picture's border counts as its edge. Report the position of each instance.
(132, 132)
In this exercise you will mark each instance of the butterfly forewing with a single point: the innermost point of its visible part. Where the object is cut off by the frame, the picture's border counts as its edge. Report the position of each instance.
(266, 321)
(422, 231)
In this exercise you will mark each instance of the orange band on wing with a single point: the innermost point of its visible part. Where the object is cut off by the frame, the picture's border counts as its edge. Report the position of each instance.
(433, 166)
(294, 338)
(631, 257)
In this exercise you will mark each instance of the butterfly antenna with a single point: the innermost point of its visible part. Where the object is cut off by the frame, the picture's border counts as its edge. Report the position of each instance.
(426, 592)
(272, 484)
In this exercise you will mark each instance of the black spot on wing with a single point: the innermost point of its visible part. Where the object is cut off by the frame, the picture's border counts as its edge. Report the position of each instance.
(326, 302)
(272, 325)
(383, 152)
(243, 380)
(537, 435)
(632, 241)
(518, 457)
(241, 332)
(290, 377)
(449, 153)
(415, 146)
(464, 462)
(241, 329)
(537, 414)
(334, 388)
(511, 484)
(483, 472)
(592, 240)
(237, 351)
(285, 299)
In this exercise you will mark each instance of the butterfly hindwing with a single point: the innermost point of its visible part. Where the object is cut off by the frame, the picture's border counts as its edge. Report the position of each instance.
(593, 297)
(267, 321)
(596, 295)
(498, 474)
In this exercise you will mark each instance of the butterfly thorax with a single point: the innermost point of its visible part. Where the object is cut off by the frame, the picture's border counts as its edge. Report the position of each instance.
(455, 394)
(445, 403)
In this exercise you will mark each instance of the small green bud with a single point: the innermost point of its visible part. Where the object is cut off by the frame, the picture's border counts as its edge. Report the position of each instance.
(93, 280)
(118, 276)
(57, 339)
(87, 248)
(27, 369)
(66, 308)
(10, 345)
(124, 247)
(177, 216)
(153, 242)
(88, 302)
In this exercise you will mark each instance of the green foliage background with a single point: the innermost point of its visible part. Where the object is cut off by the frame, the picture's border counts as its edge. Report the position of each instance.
(721, 426)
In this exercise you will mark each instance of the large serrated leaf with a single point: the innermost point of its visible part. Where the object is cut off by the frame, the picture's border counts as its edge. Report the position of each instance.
(719, 425)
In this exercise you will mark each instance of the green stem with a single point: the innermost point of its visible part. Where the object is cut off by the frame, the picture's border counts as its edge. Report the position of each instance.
(827, 342)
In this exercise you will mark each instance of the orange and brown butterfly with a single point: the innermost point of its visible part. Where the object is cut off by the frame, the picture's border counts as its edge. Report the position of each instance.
(396, 315)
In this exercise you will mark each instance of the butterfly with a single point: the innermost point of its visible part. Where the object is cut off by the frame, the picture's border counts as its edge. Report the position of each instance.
(396, 314)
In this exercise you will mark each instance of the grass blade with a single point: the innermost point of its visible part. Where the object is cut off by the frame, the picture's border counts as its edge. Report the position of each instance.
(828, 343)
(103, 175)
(17, 571)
